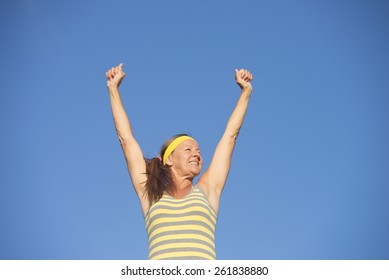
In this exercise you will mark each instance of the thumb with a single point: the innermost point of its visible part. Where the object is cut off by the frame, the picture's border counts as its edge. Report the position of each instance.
(236, 72)
(121, 69)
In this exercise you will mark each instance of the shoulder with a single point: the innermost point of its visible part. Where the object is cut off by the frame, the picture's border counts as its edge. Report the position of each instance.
(203, 184)
(210, 194)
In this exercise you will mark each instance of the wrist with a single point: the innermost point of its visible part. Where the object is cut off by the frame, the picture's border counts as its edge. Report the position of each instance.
(247, 91)
(113, 88)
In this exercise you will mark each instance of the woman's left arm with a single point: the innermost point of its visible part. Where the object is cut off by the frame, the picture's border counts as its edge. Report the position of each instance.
(214, 178)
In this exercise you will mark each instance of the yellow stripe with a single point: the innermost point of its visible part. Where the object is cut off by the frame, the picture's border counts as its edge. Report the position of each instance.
(182, 211)
(163, 222)
(152, 212)
(182, 203)
(182, 245)
(182, 236)
(194, 197)
(150, 224)
(183, 227)
(177, 203)
(182, 254)
(180, 219)
(195, 193)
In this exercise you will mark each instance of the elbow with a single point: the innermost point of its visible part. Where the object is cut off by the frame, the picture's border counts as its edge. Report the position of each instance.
(124, 138)
(235, 136)
(230, 139)
(232, 135)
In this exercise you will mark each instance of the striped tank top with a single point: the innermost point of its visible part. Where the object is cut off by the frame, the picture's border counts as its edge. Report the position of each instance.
(182, 228)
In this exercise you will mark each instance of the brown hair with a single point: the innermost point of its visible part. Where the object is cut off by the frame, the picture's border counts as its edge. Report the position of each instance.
(159, 177)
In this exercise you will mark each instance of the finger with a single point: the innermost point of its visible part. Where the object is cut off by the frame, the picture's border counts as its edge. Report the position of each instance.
(241, 72)
(244, 74)
(109, 75)
(121, 69)
(237, 74)
(247, 76)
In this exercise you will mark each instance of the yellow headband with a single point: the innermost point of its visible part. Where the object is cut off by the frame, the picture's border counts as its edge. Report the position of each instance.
(174, 145)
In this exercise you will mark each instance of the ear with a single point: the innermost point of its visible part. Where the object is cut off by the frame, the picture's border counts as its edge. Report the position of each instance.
(169, 161)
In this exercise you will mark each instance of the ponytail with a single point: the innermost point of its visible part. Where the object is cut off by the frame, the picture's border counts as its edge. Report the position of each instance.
(159, 180)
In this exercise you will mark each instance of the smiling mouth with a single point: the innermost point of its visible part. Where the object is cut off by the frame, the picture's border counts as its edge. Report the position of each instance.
(194, 163)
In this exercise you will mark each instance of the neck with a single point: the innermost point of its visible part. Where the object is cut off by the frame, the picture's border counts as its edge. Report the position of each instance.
(183, 187)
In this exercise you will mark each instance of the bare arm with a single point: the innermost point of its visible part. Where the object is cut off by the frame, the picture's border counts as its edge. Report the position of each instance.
(132, 152)
(214, 178)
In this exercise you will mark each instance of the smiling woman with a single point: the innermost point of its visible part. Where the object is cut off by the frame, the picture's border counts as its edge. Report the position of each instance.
(180, 216)
(160, 178)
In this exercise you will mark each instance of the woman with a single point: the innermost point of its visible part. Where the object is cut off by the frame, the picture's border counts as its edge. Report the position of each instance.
(180, 216)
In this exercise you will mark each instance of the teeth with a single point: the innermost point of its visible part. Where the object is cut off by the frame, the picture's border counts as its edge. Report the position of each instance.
(194, 163)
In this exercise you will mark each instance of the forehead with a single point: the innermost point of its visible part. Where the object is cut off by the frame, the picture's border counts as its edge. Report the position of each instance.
(189, 142)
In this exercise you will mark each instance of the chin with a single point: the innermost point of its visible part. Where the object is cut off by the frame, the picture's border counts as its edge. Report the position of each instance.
(195, 172)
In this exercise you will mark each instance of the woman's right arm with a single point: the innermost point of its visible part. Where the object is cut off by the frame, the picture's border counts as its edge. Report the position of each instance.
(136, 163)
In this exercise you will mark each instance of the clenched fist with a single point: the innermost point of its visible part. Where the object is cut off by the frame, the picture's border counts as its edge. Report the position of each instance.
(243, 79)
(115, 76)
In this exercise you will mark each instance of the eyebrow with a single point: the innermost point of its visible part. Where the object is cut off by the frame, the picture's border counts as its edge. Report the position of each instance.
(191, 146)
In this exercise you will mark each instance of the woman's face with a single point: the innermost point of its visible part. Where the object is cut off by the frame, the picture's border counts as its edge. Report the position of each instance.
(186, 159)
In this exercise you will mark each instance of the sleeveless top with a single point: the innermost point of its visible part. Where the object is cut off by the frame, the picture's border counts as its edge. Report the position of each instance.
(182, 228)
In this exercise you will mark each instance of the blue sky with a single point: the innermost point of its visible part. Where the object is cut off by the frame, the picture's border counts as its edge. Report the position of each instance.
(309, 178)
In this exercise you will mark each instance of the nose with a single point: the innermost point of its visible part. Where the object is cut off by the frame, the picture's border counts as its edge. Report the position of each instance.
(197, 154)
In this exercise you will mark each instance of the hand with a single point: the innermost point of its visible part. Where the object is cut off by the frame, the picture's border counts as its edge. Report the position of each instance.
(115, 76)
(243, 79)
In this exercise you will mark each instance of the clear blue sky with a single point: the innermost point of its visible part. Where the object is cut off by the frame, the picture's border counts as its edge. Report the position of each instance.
(309, 178)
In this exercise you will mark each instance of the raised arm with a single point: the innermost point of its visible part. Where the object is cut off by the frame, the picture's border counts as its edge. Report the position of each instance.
(132, 152)
(214, 178)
